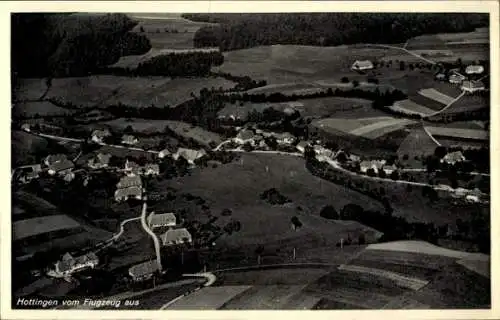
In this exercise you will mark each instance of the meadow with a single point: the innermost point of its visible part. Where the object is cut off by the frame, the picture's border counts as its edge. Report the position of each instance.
(38, 109)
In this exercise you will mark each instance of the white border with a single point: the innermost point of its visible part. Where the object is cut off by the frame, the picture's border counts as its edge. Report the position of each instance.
(242, 6)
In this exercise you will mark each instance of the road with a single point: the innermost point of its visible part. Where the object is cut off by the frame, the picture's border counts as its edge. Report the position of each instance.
(430, 135)
(402, 49)
(151, 233)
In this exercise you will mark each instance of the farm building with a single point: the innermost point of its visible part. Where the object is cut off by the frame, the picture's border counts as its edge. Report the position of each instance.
(131, 168)
(301, 146)
(440, 76)
(453, 157)
(162, 220)
(474, 69)
(362, 65)
(376, 165)
(101, 160)
(456, 78)
(163, 153)
(129, 139)
(285, 138)
(389, 169)
(151, 169)
(127, 182)
(53, 158)
(127, 193)
(99, 135)
(472, 199)
(69, 265)
(189, 154)
(143, 271)
(26, 127)
(176, 236)
(244, 136)
(472, 86)
(61, 167)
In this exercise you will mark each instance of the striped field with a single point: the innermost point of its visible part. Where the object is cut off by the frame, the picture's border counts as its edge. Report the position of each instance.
(459, 133)
(436, 95)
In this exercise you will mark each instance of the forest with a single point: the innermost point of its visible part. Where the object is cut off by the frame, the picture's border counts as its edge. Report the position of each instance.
(238, 31)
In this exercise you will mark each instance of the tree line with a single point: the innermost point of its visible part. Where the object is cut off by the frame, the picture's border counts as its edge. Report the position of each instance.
(238, 31)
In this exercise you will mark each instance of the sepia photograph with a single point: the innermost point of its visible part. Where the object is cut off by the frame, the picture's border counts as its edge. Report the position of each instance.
(203, 161)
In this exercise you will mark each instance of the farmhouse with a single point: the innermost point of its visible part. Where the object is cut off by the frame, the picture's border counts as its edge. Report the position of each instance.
(53, 158)
(389, 169)
(472, 199)
(362, 65)
(176, 236)
(61, 167)
(472, 86)
(164, 153)
(456, 78)
(26, 127)
(151, 169)
(129, 139)
(285, 138)
(29, 173)
(132, 168)
(143, 271)
(161, 220)
(101, 160)
(301, 146)
(244, 136)
(99, 135)
(474, 69)
(376, 165)
(453, 157)
(128, 193)
(440, 76)
(69, 265)
(129, 181)
(189, 154)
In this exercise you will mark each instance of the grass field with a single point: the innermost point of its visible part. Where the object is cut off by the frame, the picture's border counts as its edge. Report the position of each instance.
(279, 64)
(35, 226)
(436, 95)
(417, 143)
(150, 126)
(466, 134)
(103, 90)
(26, 148)
(467, 103)
(238, 185)
(408, 106)
(39, 108)
(29, 89)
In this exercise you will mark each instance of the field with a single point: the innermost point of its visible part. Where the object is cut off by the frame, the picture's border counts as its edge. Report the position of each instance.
(436, 95)
(466, 134)
(29, 89)
(238, 185)
(38, 109)
(281, 64)
(318, 108)
(370, 128)
(150, 126)
(408, 106)
(468, 103)
(35, 226)
(104, 90)
(156, 25)
(26, 148)
(417, 143)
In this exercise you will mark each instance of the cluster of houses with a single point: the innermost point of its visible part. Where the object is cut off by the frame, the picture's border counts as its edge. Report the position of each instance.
(256, 137)
(69, 265)
(170, 235)
(60, 165)
(466, 85)
(129, 187)
(98, 136)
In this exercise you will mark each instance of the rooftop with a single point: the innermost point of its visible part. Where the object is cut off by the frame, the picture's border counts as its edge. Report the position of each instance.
(143, 269)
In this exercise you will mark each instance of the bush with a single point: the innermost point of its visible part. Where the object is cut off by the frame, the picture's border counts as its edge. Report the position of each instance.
(344, 80)
(329, 212)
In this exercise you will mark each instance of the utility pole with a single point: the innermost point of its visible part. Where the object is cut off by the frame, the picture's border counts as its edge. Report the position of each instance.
(341, 243)
(294, 253)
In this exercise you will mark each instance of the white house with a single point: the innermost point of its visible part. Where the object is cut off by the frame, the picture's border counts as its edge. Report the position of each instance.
(129, 139)
(301, 146)
(376, 165)
(474, 69)
(164, 153)
(129, 181)
(244, 136)
(389, 169)
(189, 154)
(26, 127)
(101, 160)
(472, 199)
(143, 271)
(69, 265)
(61, 167)
(151, 169)
(162, 220)
(285, 138)
(472, 86)
(453, 157)
(456, 78)
(128, 193)
(360, 65)
(176, 236)
(99, 135)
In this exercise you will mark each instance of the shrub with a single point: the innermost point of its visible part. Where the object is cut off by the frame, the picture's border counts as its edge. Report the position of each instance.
(329, 212)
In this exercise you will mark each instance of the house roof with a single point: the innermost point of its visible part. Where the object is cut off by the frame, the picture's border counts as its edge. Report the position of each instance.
(303, 144)
(284, 135)
(165, 151)
(162, 219)
(362, 64)
(152, 166)
(131, 164)
(127, 182)
(127, 192)
(454, 156)
(473, 84)
(91, 256)
(190, 154)
(101, 133)
(245, 134)
(68, 262)
(128, 137)
(61, 165)
(474, 69)
(143, 269)
(53, 158)
(175, 235)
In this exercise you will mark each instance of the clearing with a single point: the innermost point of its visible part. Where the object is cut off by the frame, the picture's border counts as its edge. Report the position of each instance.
(461, 133)
(139, 92)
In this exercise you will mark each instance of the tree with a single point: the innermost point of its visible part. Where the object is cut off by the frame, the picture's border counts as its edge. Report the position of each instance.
(344, 80)
(440, 152)
(402, 65)
(329, 212)
(247, 147)
(128, 129)
(141, 29)
(309, 153)
(259, 251)
(296, 222)
(355, 83)
(361, 238)
(351, 211)
(381, 174)
(395, 175)
(371, 172)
